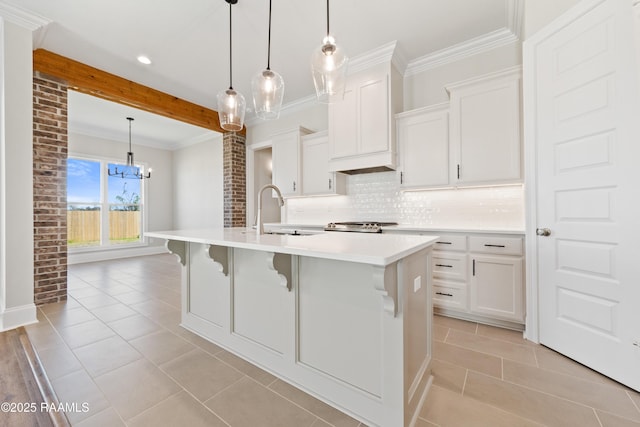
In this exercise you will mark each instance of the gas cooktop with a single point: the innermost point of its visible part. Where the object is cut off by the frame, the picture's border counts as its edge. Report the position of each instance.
(359, 227)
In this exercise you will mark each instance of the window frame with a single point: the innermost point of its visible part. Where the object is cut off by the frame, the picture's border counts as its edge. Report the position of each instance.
(104, 204)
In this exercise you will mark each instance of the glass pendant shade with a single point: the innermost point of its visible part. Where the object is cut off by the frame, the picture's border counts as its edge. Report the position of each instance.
(329, 69)
(231, 109)
(268, 91)
(231, 104)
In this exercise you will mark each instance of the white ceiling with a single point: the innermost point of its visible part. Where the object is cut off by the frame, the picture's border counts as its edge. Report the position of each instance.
(188, 40)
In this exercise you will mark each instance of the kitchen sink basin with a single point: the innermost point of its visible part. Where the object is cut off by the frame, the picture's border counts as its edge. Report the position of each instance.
(292, 232)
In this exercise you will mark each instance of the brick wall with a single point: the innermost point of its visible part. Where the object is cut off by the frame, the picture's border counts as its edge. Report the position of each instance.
(235, 200)
(50, 189)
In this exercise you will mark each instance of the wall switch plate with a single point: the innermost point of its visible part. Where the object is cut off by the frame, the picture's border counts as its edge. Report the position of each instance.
(417, 283)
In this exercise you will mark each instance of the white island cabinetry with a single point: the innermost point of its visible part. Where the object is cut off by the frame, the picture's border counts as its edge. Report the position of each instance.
(346, 318)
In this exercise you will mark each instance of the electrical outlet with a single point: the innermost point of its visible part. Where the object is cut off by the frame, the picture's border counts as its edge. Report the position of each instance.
(417, 283)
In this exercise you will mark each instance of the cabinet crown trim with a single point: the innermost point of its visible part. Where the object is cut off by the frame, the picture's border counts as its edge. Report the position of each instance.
(513, 72)
(384, 54)
(443, 106)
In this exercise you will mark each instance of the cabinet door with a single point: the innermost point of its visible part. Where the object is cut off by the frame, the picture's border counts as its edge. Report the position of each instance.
(285, 161)
(424, 149)
(496, 287)
(343, 125)
(373, 115)
(485, 131)
(316, 178)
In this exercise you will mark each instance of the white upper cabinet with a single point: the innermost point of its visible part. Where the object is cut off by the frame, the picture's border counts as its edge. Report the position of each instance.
(362, 126)
(316, 178)
(423, 147)
(485, 129)
(287, 162)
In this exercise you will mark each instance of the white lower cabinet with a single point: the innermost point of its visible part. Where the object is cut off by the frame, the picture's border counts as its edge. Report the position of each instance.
(450, 294)
(479, 277)
(496, 286)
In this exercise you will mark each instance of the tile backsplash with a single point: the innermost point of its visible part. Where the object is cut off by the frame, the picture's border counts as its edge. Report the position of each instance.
(377, 196)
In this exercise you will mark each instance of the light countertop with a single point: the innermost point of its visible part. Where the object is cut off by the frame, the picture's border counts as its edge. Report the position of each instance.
(374, 249)
(410, 228)
(451, 229)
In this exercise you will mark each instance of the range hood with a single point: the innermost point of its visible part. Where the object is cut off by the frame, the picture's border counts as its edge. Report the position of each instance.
(362, 133)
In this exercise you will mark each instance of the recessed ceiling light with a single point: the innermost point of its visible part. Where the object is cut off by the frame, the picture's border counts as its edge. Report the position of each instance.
(144, 60)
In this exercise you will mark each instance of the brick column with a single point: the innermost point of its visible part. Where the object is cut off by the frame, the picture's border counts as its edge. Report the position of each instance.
(235, 180)
(49, 189)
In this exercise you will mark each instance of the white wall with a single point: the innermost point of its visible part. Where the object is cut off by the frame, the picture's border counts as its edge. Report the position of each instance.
(16, 177)
(313, 117)
(198, 185)
(158, 190)
(428, 87)
(538, 13)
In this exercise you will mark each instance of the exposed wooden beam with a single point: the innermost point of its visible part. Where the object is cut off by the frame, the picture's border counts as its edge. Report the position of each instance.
(93, 81)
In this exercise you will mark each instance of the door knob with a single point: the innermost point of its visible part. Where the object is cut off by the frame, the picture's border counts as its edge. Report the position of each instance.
(543, 232)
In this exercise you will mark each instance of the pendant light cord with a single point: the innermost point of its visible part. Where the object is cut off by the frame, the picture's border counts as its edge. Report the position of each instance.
(328, 17)
(230, 50)
(269, 40)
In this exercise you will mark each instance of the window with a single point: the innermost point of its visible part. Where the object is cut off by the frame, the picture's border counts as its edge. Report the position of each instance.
(102, 210)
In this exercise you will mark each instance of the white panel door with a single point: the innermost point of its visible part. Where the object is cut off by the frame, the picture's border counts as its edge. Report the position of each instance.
(585, 127)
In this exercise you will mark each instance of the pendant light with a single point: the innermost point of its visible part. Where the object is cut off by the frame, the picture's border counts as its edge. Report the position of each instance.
(231, 104)
(329, 68)
(267, 87)
(130, 171)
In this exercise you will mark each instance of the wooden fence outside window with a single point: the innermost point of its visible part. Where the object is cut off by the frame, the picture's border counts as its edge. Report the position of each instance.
(83, 227)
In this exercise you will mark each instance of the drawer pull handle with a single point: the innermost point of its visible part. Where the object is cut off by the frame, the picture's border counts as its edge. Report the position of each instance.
(444, 294)
(444, 243)
(444, 265)
(474, 267)
(494, 246)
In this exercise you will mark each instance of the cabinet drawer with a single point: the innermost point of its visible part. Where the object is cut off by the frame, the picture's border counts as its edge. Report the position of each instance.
(449, 265)
(496, 245)
(450, 295)
(451, 243)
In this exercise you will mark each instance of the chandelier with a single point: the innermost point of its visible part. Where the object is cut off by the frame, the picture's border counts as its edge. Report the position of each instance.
(130, 170)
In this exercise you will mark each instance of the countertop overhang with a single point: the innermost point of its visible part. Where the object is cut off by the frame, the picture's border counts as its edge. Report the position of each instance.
(374, 249)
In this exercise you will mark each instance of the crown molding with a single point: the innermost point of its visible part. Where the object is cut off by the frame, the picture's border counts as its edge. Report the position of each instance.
(23, 17)
(484, 43)
(515, 17)
(380, 55)
(514, 72)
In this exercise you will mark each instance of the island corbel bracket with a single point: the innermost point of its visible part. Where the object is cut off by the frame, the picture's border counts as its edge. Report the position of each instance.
(179, 249)
(281, 264)
(220, 256)
(386, 284)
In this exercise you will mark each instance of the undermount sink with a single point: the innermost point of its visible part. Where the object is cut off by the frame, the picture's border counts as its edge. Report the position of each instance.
(292, 232)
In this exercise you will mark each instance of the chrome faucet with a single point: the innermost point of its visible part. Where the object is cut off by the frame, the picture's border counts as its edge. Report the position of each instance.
(259, 225)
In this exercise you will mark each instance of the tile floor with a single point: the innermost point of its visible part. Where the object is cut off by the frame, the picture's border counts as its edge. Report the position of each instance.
(117, 346)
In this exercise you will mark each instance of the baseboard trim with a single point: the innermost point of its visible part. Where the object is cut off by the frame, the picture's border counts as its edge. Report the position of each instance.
(14, 317)
(79, 258)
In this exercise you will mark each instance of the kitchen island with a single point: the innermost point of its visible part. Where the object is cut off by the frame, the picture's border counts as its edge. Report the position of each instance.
(346, 317)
